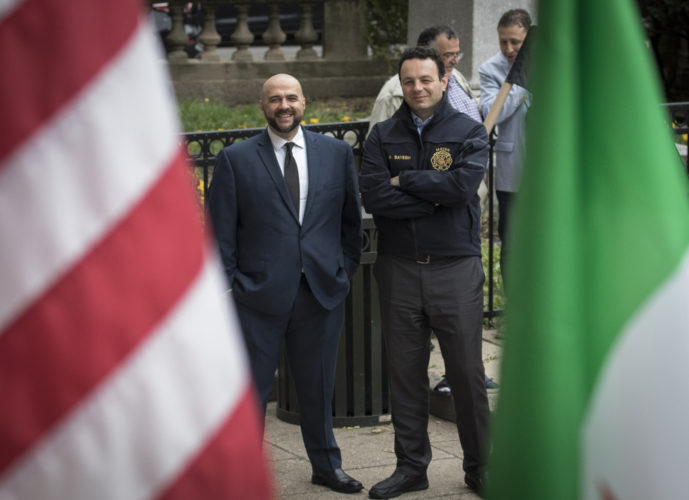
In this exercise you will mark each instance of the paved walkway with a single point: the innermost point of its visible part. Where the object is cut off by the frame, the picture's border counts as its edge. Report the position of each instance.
(367, 452)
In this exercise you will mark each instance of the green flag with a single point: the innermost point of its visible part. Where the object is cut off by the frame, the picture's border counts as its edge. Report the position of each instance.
(595, 380)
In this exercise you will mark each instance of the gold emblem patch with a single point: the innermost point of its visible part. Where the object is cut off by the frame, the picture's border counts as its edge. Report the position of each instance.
(441, 159)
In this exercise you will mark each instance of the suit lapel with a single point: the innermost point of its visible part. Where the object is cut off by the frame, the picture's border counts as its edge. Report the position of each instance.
(315, 167)
(267, 155)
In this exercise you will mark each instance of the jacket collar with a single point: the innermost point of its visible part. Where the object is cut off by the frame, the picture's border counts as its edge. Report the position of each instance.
(404, 113)
(278, 142)
(315, 161)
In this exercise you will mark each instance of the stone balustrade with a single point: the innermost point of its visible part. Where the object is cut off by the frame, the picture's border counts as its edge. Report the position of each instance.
(344, 35)
(343, 68)
(242, 37)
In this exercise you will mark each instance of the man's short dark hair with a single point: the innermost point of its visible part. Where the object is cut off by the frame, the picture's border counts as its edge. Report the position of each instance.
(515, 17)
(428, 36)
(423, 53)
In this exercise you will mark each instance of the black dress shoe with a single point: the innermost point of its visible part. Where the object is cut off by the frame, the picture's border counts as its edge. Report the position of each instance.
(475, 482)
(336, 480)
(397, 484)
(491, 384)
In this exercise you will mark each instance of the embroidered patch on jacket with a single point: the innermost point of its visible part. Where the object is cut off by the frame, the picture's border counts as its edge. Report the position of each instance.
(441, 159)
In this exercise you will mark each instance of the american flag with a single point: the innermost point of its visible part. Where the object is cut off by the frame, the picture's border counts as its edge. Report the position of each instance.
(122, 371)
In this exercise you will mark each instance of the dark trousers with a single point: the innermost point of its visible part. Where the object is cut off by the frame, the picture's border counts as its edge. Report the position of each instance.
(447, 298)
(505, 201)
(311, 335)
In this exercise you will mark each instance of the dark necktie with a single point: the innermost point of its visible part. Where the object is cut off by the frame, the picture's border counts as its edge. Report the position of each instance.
(292, 175)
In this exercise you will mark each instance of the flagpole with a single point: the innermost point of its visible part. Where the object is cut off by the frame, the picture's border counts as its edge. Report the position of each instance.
(495, 109)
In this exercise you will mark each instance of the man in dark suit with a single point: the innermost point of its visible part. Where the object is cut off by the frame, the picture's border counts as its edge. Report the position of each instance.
(286, 213)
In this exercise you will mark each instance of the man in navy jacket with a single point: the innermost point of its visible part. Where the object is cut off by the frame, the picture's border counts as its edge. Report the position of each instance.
(286, 213)
(420, 174)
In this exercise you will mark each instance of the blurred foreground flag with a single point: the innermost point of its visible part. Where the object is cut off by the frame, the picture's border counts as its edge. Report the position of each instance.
(595, 382)
(122, 373)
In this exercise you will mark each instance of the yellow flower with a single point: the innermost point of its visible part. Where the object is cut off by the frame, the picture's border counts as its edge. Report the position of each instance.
(346, 118)
(314, 120)
(303, 122)
(206, 99)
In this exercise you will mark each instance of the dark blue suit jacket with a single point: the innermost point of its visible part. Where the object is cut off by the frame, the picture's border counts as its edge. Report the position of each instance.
(262, 245)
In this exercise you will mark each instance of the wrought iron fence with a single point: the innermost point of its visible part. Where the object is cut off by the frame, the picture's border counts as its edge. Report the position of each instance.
(679, 119)
(679, 115)
(203, 147)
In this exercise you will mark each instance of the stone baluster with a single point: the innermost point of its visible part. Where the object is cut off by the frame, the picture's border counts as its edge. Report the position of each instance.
(242, 36)
(344, 34)
(306, 36)
(176, 40)
(209, 37)
(274, 36)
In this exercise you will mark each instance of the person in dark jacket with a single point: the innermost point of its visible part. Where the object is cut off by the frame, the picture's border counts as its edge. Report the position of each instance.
(419, 177)
(284, 206)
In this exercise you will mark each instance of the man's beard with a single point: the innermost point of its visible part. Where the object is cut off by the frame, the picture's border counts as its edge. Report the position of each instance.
(284, 130)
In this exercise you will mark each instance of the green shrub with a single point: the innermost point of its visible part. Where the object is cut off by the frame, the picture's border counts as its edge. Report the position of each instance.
(205, 115)
(386, 27)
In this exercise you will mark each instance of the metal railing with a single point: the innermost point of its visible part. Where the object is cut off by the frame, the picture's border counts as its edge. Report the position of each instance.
(679, 120)
(202, 147)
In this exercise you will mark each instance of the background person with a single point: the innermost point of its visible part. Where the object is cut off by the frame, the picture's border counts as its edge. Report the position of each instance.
(443, 39)
(509, 148)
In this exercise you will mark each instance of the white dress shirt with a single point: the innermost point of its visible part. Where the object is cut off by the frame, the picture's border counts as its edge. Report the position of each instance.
(299, 154)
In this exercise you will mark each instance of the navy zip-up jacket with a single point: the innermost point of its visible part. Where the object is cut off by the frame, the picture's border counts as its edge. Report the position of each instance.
(436, 209)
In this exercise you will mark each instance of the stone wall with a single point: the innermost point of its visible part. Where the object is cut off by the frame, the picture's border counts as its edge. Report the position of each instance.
(231, 83)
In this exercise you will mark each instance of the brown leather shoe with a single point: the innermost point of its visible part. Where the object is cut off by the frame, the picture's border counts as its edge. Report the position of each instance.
(337, 480)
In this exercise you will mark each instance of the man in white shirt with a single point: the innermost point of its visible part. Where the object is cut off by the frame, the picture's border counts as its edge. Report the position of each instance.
(443, 39)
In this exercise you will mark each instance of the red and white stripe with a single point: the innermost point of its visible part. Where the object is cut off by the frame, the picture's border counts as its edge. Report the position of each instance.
(121, 367)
